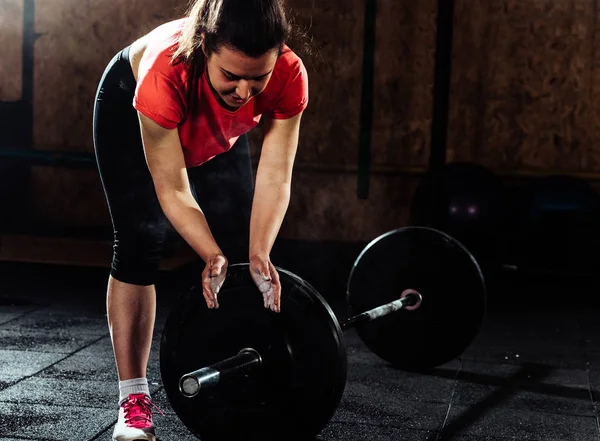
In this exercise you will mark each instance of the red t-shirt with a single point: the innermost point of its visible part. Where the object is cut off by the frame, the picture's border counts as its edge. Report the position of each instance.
(162, 90)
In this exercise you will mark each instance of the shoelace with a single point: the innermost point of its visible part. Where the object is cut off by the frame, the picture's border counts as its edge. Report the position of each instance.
(138, 411)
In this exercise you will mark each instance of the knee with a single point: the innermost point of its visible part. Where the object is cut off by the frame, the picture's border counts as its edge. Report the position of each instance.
(137, 252)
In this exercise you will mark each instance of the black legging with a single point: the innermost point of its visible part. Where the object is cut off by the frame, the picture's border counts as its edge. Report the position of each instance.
(223, 186)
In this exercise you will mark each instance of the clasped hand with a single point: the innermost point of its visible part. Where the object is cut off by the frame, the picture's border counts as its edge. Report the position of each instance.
(263, 274)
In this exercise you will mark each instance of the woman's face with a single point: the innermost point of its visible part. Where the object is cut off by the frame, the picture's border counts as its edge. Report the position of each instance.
(235, 77)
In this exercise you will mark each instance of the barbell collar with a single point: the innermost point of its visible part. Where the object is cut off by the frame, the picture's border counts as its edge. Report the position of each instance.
(410, 299)
(246, 361)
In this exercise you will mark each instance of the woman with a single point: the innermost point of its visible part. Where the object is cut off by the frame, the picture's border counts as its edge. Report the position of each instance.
(170, 119)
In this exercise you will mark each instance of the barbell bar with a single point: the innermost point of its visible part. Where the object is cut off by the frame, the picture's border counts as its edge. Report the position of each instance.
(249, 360)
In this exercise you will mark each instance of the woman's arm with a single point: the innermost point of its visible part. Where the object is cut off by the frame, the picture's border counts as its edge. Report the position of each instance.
(164, 156)
(273, 184)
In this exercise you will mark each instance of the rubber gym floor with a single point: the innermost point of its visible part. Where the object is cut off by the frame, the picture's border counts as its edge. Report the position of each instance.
(532, 372)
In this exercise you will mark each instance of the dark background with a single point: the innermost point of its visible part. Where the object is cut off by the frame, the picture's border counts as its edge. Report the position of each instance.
(490, 135)
(521, 102)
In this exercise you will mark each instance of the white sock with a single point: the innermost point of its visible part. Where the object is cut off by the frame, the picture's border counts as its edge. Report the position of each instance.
(133, 386)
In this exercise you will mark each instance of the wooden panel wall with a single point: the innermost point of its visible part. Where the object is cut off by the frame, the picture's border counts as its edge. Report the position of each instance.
(524, 99)
(78, 40)
(11, 35)
(404, 66)
(334, 74)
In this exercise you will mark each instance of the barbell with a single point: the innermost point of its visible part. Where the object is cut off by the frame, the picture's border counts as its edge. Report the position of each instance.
(416, 298)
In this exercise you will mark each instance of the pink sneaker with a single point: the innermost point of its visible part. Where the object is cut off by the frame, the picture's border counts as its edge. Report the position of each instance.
(135, 419)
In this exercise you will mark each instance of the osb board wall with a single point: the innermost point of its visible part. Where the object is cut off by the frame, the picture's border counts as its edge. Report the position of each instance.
(325, 206)
(403, 84)
(523, 97)
(527, 100)
(402, 98)
(329, 130)
(78, 40)
(11, 35)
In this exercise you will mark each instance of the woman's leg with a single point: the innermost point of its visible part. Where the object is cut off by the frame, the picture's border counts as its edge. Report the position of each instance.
(138, 221)
(131, 311)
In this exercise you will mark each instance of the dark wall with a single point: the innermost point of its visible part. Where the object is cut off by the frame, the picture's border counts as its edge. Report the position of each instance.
(523, 99)
(525, 85)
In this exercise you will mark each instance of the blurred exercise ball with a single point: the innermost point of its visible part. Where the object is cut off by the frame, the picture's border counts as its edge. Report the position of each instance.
(468, 206)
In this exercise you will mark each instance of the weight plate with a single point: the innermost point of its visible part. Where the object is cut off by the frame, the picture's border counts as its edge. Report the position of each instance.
(303, 375)
(448, 278)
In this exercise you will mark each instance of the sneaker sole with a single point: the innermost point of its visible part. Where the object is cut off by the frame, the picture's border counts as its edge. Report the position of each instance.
(149, 437)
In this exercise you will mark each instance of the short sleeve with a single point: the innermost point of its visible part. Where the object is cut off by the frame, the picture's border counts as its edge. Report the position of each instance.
(159, 98)
(294, 96)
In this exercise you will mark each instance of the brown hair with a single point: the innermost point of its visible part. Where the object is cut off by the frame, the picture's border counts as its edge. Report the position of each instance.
(253, 27)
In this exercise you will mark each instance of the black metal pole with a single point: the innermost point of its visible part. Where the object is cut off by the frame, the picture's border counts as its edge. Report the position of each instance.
(441, 99)
(381, 311)
(245, 361)
(16, 129)
(53, 158)
(366, 99)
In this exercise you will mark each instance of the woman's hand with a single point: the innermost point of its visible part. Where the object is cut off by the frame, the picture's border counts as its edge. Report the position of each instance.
(213, 277)
(266, 278)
